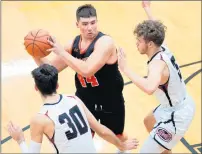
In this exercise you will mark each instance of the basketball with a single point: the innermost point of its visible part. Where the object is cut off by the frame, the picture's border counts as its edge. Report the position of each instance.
(36, 43)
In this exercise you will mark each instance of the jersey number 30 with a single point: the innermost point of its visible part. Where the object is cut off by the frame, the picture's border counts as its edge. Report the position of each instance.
(92, 80)
(79, 122)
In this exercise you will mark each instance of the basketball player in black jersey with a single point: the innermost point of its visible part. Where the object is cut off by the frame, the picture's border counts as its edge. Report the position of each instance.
(98, 81)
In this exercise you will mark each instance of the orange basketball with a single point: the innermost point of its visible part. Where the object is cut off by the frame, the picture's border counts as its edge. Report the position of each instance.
(36, 43)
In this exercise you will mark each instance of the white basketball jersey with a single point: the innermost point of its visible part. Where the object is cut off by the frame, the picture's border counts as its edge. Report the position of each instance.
(72, 131)
(174, 91)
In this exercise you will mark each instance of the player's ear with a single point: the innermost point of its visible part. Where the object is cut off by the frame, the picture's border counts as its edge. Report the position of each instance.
(35, 87)
(77, 24)
(57, 86)
(150, 44)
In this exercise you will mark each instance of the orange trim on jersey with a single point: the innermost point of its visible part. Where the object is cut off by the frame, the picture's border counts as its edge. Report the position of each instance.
(72, 46)
(119, 135)
(83, 51)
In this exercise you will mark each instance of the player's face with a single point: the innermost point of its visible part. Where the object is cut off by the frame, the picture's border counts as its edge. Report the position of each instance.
(141, 45)
(88, 27)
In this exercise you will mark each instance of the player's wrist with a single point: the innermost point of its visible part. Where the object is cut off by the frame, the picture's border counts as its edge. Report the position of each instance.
(145, 4)
(121, 146)
(125, 69)
(147, 9)
(63, 53)
(21, 140)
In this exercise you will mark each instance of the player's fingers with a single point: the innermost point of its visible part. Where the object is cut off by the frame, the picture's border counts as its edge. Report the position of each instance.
(51, 49)
(122, 52)
(135, 141)
(50, 42)
(145, 4)
(9, 129)
(134, 145)
(9, 125)
(16, 127)
(12, 124)
(119, 51)
(119, 54)
(12, 129)
(53, 39)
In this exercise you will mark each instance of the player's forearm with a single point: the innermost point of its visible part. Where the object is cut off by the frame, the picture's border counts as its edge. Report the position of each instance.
(76, 64)
(139, 81)
(40, 61)
(109, 136)
(149, 13)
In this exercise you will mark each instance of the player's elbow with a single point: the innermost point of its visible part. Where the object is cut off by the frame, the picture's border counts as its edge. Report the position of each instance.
(102, 131)
(87, 73)
(150, 90)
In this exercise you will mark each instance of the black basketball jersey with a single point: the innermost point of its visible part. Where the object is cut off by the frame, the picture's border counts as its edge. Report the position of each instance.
(104, 86)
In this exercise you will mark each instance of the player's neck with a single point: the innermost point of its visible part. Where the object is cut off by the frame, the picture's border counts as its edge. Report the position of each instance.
(51, 99)
(88, 40)
(152, 52)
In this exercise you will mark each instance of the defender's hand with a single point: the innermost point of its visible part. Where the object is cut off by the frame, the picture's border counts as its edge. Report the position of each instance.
(15, 132)
(122, 59)
(145, 4)
(129, 144)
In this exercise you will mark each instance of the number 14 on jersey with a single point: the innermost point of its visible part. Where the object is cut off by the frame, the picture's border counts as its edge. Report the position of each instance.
(92, 80)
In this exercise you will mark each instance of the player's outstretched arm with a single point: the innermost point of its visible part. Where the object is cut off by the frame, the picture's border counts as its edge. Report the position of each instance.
(103, 49)
(36, 129)
(146, 6)
(57, 61)
(149, 84)
(106, 133)
(147, 9)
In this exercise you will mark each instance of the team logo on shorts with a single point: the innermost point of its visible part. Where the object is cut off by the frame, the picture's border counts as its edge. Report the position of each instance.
(164, 134)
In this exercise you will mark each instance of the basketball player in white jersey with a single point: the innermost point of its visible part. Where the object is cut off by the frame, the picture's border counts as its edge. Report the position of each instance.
(64, 119)
(167, 123)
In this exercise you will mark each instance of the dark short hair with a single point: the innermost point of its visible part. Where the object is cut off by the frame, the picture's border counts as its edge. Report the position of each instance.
(86, 11)
(46, 79)
(151, 30)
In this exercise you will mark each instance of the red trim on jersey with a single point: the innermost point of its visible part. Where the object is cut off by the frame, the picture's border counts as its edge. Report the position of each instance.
(46, 113)
(52, 141)
(93, 133)
(119, 135)
(161, 57)
(166, 83)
